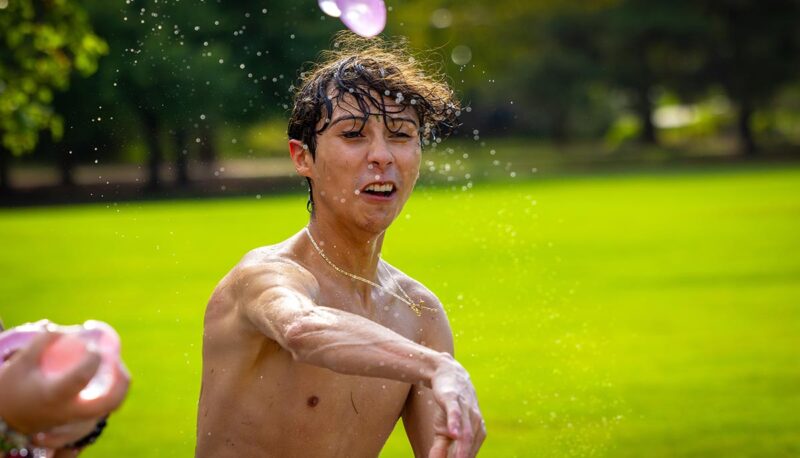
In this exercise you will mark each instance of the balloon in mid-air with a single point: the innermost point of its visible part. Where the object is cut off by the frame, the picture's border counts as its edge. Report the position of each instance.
(364, 17)
(68, 349)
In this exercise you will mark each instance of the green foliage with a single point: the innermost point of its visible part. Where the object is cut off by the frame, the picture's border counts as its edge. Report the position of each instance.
(41, 44)
(200, 70)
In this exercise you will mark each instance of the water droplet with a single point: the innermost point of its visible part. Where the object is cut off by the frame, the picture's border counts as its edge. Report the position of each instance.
(441, 18)
(461, 55)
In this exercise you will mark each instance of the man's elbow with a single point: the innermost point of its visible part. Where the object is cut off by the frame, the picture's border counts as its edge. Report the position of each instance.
(302, 335)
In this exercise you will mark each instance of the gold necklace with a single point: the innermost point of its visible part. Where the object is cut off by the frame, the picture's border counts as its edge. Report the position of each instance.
(416, 307)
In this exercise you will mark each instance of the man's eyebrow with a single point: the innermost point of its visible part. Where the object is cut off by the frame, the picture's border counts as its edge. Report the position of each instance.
(346, 118)
(403, 118)
(362, 118)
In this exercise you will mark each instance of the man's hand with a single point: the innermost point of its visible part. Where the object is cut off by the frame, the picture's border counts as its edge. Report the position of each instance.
(33, 403)
(459, 426)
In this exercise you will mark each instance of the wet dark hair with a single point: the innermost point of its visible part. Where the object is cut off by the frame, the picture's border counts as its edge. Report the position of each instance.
(371, 71)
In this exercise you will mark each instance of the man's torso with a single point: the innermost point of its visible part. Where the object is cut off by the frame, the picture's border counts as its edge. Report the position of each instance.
(257, 401)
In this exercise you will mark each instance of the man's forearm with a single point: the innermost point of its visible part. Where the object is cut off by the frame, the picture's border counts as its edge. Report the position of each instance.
(351, 344)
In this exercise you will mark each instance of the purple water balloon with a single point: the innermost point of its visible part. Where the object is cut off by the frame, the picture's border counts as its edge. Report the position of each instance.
(364, 17)
(17, 338)
(94, 335)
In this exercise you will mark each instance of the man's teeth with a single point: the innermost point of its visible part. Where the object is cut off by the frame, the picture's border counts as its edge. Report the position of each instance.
(380, 188)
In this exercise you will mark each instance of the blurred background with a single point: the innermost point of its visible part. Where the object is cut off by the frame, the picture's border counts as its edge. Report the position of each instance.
(613, 229)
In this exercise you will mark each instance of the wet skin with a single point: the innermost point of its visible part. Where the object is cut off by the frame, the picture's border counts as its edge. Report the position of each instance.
(300, 360)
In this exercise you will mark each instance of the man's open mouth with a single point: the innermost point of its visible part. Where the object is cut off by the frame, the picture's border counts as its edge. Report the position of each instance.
(380, 189)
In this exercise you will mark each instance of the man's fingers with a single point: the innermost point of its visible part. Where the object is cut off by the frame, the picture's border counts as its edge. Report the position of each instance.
(110, 401)
(441, 444)
(31, 353)
(479, 427)
(465, 438)
(453, 418)
(71, 383)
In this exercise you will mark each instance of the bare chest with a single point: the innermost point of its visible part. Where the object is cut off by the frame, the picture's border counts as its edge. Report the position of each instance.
(379, 305)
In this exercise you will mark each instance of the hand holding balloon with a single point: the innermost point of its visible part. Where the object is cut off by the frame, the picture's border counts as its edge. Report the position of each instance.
(59, 377)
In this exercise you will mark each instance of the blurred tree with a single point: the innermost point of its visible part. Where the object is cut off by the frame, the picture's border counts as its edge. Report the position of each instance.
(532, 69)
(181, 74)
(639, 46)
(41, 43)
(752, 49)
(561, 73)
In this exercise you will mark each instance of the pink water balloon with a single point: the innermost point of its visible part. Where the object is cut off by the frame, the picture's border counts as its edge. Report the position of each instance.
(364, 17)
(330, 8)
(67, 351)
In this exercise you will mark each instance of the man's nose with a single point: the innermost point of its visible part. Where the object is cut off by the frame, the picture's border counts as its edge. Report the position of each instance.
(380, 152)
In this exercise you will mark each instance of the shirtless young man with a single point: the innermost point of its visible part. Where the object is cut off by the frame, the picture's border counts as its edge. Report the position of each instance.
(302, 356)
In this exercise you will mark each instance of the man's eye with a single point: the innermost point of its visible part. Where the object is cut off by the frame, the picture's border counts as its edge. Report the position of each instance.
(352, 134)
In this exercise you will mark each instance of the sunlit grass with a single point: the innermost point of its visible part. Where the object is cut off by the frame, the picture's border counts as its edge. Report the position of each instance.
(625, 315)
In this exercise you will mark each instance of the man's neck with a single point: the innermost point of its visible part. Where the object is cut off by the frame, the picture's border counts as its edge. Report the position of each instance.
(352, 250)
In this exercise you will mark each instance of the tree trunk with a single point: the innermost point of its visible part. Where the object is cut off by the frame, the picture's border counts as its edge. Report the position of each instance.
(644, 110)
(749, 147)
(181, 157)
(558, 127)
(5, 158)
(65, 165)
(207, 152)
(152, 140)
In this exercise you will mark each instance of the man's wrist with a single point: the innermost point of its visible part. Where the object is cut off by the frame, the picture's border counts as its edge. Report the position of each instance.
(15, 444)
(440, 361)
(90, 438)
(11, 439)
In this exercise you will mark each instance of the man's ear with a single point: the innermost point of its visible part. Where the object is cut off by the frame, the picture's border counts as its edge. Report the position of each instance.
(301, 157)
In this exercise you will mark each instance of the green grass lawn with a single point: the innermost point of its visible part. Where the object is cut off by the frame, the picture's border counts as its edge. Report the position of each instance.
(625, 315)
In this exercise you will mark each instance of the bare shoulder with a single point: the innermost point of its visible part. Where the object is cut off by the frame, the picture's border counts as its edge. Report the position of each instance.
(271, 266)
(259, 270)
(436, 327)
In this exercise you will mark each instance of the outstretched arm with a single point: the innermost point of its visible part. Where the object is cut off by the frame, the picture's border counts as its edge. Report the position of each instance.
(278, 298)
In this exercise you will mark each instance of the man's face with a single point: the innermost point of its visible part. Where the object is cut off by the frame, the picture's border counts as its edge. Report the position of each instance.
(366, 164)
